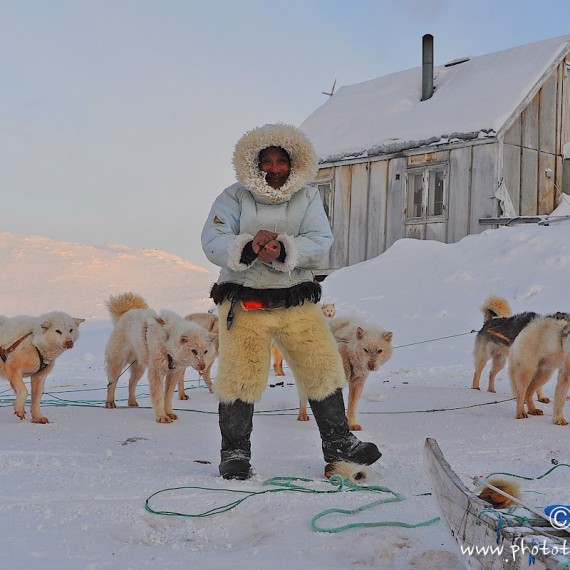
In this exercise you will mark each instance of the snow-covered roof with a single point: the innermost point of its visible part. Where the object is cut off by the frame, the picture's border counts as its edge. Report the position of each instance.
(473, 99)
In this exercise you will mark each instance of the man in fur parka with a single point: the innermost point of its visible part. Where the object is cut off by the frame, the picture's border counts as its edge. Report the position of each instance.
(267, 232)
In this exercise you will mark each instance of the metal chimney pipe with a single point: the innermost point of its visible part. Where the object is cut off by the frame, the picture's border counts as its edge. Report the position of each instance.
(427, 66)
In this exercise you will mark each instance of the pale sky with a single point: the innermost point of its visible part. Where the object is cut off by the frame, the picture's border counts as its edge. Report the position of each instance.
(118, 117)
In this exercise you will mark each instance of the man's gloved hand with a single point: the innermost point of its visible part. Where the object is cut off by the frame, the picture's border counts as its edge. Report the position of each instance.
(261, 239)
(270, 252)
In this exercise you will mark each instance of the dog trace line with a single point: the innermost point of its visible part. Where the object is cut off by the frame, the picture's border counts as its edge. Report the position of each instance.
(435, 339)
(7, 401)
(119, 376)
(96, 403)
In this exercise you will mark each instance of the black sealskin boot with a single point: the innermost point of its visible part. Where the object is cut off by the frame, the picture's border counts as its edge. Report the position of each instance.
(338, 442)
(235, 421)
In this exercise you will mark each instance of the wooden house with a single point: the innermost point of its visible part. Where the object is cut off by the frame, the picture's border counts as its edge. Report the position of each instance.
(443, 152)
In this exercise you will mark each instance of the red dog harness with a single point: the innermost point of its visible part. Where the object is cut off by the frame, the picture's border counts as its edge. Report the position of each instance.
(501, 336)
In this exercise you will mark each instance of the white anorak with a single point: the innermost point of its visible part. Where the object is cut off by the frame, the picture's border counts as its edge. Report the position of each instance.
(295, 212)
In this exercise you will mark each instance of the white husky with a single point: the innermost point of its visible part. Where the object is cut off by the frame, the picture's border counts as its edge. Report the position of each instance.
(207, 350)
(542, 347)
(165, 343)
(28, 348)
(363, 349)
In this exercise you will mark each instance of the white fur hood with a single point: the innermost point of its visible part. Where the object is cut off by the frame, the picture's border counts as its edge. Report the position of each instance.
(246, 161)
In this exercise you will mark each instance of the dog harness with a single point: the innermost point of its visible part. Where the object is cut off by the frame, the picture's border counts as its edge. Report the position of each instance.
(499, 335)
(5, 353)
(43, 363)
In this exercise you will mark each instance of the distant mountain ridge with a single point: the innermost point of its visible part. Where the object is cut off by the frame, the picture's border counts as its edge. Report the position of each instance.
(41, 275)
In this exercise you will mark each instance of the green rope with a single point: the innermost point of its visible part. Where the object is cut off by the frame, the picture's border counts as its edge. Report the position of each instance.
(556, 465)
(395, 499)
(281, 484)
(284, 482)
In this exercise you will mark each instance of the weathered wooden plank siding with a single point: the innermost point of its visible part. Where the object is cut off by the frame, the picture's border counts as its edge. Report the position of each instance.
(546, 190)
(513, 134)
(512, 173)
(483, 184)
(396, 197)
(547, 121)
(529, 179)
(565, 126)
(563, 179)
(436, 231)
(326, 175)
(377, 196)
(532, 191)
(357, 233)
(341, 213)
(459, 188)
(547, 115)
(529, 124)
(415, 231)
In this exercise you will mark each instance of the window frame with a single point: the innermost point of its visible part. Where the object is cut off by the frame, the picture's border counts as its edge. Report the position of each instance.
(327, 198)
(428, 194)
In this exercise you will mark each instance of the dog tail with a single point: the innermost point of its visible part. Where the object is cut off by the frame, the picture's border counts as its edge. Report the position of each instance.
(495, 307)
(118, 305)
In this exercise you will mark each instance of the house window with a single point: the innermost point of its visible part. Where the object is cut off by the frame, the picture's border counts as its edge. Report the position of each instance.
(325, 188)
(426, 193)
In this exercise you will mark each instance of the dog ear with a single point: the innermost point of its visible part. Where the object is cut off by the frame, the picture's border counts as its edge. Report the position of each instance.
(360, 333)
(387, 336)
(46, 325)
(79, 321)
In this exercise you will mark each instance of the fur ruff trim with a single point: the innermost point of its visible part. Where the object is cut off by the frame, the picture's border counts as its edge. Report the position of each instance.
(245, 357)
(292, 257)
(301, 153)
(287, 297)
(498, 500)
(235, 251)
(353, 472)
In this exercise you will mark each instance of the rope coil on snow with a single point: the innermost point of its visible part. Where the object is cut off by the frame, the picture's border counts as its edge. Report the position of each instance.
(281, 484)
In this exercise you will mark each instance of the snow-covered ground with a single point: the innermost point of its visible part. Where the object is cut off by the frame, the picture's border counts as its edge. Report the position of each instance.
(73, 492)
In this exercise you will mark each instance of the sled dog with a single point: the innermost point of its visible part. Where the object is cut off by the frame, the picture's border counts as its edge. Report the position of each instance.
(363, 349)
(329, 310)
(164, 343)
(29, 347)
(494, 339)
(542, 347)
(209, 322)
(563, 381)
